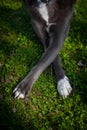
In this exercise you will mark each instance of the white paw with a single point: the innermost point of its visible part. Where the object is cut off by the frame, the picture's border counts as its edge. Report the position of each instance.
(64, 88)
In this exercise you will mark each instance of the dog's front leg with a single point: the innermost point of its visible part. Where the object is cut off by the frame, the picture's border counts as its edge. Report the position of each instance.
(56, 43)
(24, 87)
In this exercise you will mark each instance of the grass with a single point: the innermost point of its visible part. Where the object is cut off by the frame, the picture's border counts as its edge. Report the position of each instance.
(20, 50)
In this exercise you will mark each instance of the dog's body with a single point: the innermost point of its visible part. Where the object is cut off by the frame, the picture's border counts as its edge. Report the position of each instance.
(51, 21)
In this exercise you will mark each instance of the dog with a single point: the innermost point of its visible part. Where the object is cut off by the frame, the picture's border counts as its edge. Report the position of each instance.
(51, 22)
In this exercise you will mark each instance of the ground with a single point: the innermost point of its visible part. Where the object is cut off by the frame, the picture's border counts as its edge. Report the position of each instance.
(20, 50)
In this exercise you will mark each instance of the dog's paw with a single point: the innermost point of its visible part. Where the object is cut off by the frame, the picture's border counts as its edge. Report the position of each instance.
(22, 89)
(64, 88)
(18, 94)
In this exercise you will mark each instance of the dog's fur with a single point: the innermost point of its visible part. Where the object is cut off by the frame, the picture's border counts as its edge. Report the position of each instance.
(51, 22)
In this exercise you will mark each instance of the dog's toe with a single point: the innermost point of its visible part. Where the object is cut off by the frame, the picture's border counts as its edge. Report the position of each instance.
(16, 94)
(64, 88)
(21, 96)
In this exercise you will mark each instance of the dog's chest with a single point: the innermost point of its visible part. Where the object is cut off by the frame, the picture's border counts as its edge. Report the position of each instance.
(43, 10)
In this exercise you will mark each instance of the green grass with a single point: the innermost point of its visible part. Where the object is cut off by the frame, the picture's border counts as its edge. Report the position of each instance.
(20, 50)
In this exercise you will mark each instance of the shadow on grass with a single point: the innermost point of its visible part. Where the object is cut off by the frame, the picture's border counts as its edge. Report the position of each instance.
(9, 119)
(17, 21)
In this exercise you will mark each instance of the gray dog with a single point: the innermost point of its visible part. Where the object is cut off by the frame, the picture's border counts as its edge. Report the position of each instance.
(51, 21)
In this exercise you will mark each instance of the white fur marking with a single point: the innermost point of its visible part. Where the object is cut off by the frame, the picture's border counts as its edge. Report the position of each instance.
(21, 96)
(15, 90)
(64, 88)
(43, 11)
(17, 94)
